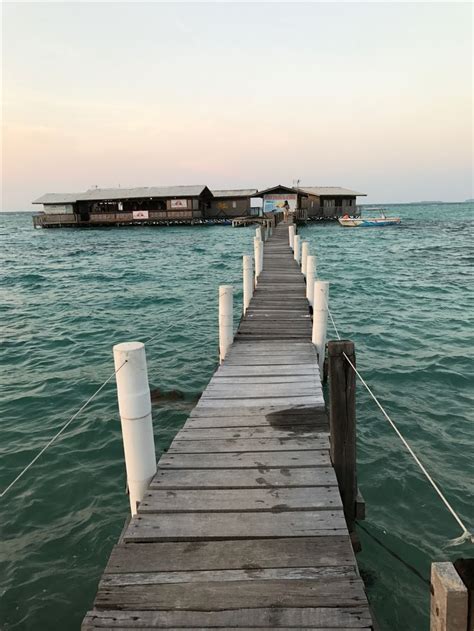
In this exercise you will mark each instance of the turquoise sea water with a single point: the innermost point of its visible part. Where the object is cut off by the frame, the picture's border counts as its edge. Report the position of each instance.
(404, 295)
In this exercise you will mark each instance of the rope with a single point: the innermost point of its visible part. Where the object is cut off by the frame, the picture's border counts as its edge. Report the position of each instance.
(466, 534)
(63, 428)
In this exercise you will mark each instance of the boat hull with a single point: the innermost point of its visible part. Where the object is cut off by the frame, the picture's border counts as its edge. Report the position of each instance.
(369, 222)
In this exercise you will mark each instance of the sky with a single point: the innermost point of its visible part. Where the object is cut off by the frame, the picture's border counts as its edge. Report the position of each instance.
(375, 97)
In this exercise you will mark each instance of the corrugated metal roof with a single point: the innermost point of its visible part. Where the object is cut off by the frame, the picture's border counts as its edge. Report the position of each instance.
(238, 192)
(329, 190)
(57, 198)
(97, 194)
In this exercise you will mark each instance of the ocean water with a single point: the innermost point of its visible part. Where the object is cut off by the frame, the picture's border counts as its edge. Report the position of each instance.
(404, 295)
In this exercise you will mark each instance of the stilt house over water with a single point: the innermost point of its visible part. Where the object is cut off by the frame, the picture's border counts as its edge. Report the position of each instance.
(162, 205)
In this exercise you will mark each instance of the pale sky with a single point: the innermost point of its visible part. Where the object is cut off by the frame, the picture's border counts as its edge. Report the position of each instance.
(371, 96)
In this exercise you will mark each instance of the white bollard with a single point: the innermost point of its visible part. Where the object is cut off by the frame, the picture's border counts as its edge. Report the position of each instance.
(310, 272)
(135, 414)
(320, 319)
(291, 235)
(258, 257)
(226, 319)
(248, 280)
(304, 255)
(296, 250)
(258, 233)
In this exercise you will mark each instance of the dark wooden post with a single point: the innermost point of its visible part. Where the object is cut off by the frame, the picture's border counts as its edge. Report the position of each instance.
(342, 423)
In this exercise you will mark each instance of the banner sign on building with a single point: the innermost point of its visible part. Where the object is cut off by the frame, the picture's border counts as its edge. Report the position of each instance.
(280, 202)
(140, 214)
(256, 202)
(179, 203)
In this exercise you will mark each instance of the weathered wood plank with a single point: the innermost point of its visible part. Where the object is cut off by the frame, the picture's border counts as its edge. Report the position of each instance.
(207, 526)
(244, 478)
(263, 401)
(242, 460)
(320, 618)
(226, 433)
(208, 576)
(241, 500)
(248, 445)
(247, 554)
(222, 596)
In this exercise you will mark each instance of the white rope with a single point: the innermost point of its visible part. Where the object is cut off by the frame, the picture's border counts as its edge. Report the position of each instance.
(466, 534)
(64, 427)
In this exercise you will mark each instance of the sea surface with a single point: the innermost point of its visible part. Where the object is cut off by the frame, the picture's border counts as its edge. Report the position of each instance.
(404, 295)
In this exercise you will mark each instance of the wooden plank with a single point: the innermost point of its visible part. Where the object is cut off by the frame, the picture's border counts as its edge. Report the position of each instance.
(283, 421)
(257, 410)
(239, 460)
(208, 576)
(237, 525)
(263, 401)
(248, 445)
(289, 552)
(240, 500)
(222, 596)
(320, 618)
(226, 433)
(244, 478)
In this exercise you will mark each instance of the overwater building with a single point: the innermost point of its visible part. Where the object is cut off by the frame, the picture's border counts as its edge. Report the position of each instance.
(162, 205)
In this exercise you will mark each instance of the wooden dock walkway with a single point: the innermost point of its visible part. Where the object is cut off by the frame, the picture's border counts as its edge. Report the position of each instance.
(242, 526)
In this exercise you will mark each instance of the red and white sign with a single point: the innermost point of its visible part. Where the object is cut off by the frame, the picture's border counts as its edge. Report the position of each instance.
(140, 214)
(179, 203)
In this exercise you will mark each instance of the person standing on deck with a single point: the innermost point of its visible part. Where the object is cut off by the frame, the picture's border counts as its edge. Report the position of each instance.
(286, 210)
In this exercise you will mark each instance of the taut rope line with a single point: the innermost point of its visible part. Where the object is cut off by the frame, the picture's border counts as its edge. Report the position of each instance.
(63, 428)
(466, 534)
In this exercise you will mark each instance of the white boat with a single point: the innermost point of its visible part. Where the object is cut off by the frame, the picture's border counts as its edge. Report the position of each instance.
(365, 222)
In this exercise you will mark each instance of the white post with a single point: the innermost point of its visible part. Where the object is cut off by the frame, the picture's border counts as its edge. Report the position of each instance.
(248, 280)
(258, 257)
(258, 233)
(296, 244)
(310, 271)
(320, 319)
(226, 319)
(304, 255)
(291, 235)
(135, 414)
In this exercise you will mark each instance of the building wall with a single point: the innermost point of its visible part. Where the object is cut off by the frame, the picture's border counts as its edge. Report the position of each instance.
(229, 207)
(58, 209)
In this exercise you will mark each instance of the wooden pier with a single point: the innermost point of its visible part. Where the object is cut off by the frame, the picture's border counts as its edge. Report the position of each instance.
(243, 524)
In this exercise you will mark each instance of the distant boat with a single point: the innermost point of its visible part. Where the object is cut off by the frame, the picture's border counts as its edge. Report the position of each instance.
(366, 222)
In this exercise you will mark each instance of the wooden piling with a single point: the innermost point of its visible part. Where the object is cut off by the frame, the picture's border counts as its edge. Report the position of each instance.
(342, 423)
(449, 599)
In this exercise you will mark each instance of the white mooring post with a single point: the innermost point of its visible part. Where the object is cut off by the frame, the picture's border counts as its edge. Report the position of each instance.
(135, 414)
(226, 319)
(304, 256)
(310, 273)
(258, 257)
(320, 319)
(291, 235)
(248, 280)
(258, 233)
(296, 250)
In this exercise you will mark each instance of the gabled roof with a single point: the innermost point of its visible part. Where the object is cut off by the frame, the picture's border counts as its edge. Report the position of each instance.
(57, 198)
(287, 189)
(98, 194)
(238, 192)
(329, 190)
